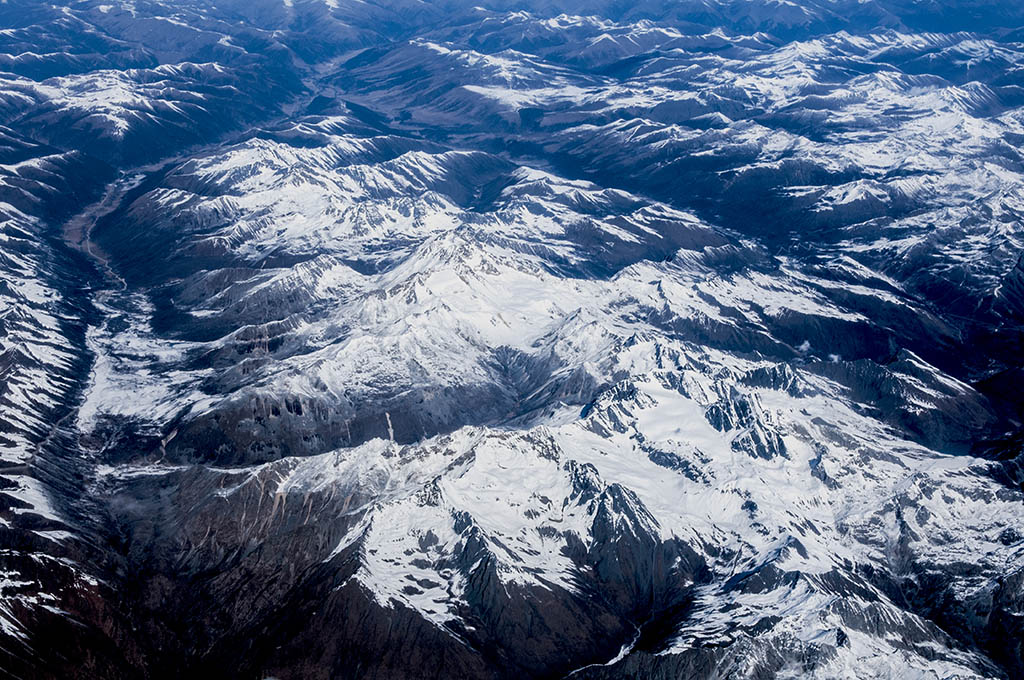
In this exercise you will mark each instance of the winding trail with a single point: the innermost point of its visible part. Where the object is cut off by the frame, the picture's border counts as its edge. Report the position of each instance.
(625, 651)
(77, 231)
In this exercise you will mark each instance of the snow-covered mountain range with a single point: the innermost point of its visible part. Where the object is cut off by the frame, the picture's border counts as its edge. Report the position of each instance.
(532, 339)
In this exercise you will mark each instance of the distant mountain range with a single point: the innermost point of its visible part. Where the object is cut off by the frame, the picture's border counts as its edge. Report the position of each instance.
(511, 340)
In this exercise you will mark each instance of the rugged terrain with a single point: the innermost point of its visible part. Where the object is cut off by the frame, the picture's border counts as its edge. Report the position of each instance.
(535, 339)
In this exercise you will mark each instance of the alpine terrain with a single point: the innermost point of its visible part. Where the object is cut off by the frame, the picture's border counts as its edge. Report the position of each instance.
(511, 339)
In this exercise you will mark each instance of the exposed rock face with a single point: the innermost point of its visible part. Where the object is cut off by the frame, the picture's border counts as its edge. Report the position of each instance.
(511, 340)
